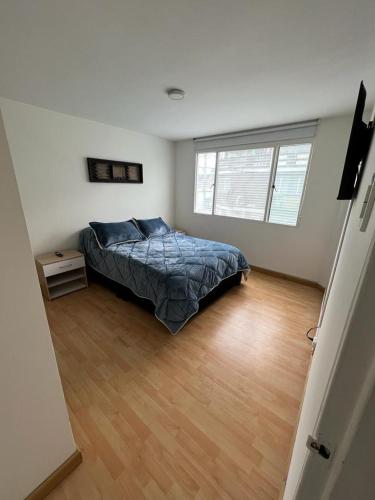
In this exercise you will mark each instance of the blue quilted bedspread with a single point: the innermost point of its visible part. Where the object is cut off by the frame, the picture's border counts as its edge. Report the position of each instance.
(174, 271)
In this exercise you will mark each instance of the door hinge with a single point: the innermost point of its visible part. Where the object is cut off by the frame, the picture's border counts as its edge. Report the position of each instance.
(317, 447)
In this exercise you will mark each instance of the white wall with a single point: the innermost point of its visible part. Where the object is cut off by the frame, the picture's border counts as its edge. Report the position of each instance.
(306, 251)
(49, 153)
(35, 433)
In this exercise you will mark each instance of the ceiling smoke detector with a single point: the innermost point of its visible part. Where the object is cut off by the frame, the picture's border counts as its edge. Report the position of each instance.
(175, 94)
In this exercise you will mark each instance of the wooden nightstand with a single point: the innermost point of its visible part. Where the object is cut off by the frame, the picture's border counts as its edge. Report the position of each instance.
(61, 275)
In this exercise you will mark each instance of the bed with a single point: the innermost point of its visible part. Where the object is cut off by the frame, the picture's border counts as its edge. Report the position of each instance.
(174, 271)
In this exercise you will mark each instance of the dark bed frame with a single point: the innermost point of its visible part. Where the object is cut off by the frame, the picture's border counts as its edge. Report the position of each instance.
(125, 293)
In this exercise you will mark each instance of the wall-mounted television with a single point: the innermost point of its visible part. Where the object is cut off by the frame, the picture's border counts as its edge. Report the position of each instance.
(359, 145)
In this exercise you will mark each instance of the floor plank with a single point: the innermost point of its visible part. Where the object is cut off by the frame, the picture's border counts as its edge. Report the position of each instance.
(209, 413)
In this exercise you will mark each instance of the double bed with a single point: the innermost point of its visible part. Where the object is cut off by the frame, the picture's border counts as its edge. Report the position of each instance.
(174, 271)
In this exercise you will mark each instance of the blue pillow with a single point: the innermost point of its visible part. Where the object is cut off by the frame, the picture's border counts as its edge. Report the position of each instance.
(153, 227)
(113, 233)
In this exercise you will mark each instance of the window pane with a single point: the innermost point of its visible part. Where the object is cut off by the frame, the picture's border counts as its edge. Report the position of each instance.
(204, 182)
(289, 182)
(242, 181)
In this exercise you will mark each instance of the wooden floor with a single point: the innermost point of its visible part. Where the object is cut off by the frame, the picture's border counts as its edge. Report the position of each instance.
(207, 414)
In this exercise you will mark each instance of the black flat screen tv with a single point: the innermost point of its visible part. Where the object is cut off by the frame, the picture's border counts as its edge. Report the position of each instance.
(359, 145)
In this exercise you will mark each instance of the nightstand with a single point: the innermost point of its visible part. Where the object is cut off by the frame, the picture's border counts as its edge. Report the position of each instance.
(61, 275)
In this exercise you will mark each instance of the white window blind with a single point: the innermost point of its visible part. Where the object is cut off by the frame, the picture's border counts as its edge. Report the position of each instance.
(242, 181)
(257, 174)
(289, 183)
(281, 133)
(204, 182)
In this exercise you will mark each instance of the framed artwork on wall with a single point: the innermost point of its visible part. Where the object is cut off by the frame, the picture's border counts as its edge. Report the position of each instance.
(114, 171)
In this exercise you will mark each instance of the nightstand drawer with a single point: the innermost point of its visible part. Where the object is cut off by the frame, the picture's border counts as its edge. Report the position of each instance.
(63, 266)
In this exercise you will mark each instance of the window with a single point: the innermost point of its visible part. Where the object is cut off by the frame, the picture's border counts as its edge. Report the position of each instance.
(258, 183)
(204, 183)
(242, 183)
(289, 183)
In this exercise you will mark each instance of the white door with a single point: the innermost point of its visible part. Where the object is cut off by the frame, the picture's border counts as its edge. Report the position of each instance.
(309, 472)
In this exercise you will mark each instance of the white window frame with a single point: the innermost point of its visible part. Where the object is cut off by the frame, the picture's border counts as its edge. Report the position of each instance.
(260, 145)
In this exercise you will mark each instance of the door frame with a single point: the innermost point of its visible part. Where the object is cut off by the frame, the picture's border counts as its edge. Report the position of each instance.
(350, 377)
(361, 341)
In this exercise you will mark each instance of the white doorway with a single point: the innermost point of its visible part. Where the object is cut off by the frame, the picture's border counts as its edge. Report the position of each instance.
(342, 372)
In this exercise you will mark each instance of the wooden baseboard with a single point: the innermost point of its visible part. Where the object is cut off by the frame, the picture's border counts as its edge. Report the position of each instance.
(56, 477)
(289, 277)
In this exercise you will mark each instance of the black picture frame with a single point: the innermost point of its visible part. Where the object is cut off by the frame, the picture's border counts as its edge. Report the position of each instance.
(114, 171)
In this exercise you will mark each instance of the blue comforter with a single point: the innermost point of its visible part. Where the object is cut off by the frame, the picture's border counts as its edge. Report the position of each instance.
(173, 271)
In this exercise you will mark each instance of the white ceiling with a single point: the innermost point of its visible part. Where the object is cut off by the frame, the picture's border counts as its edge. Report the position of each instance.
(242, 63)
